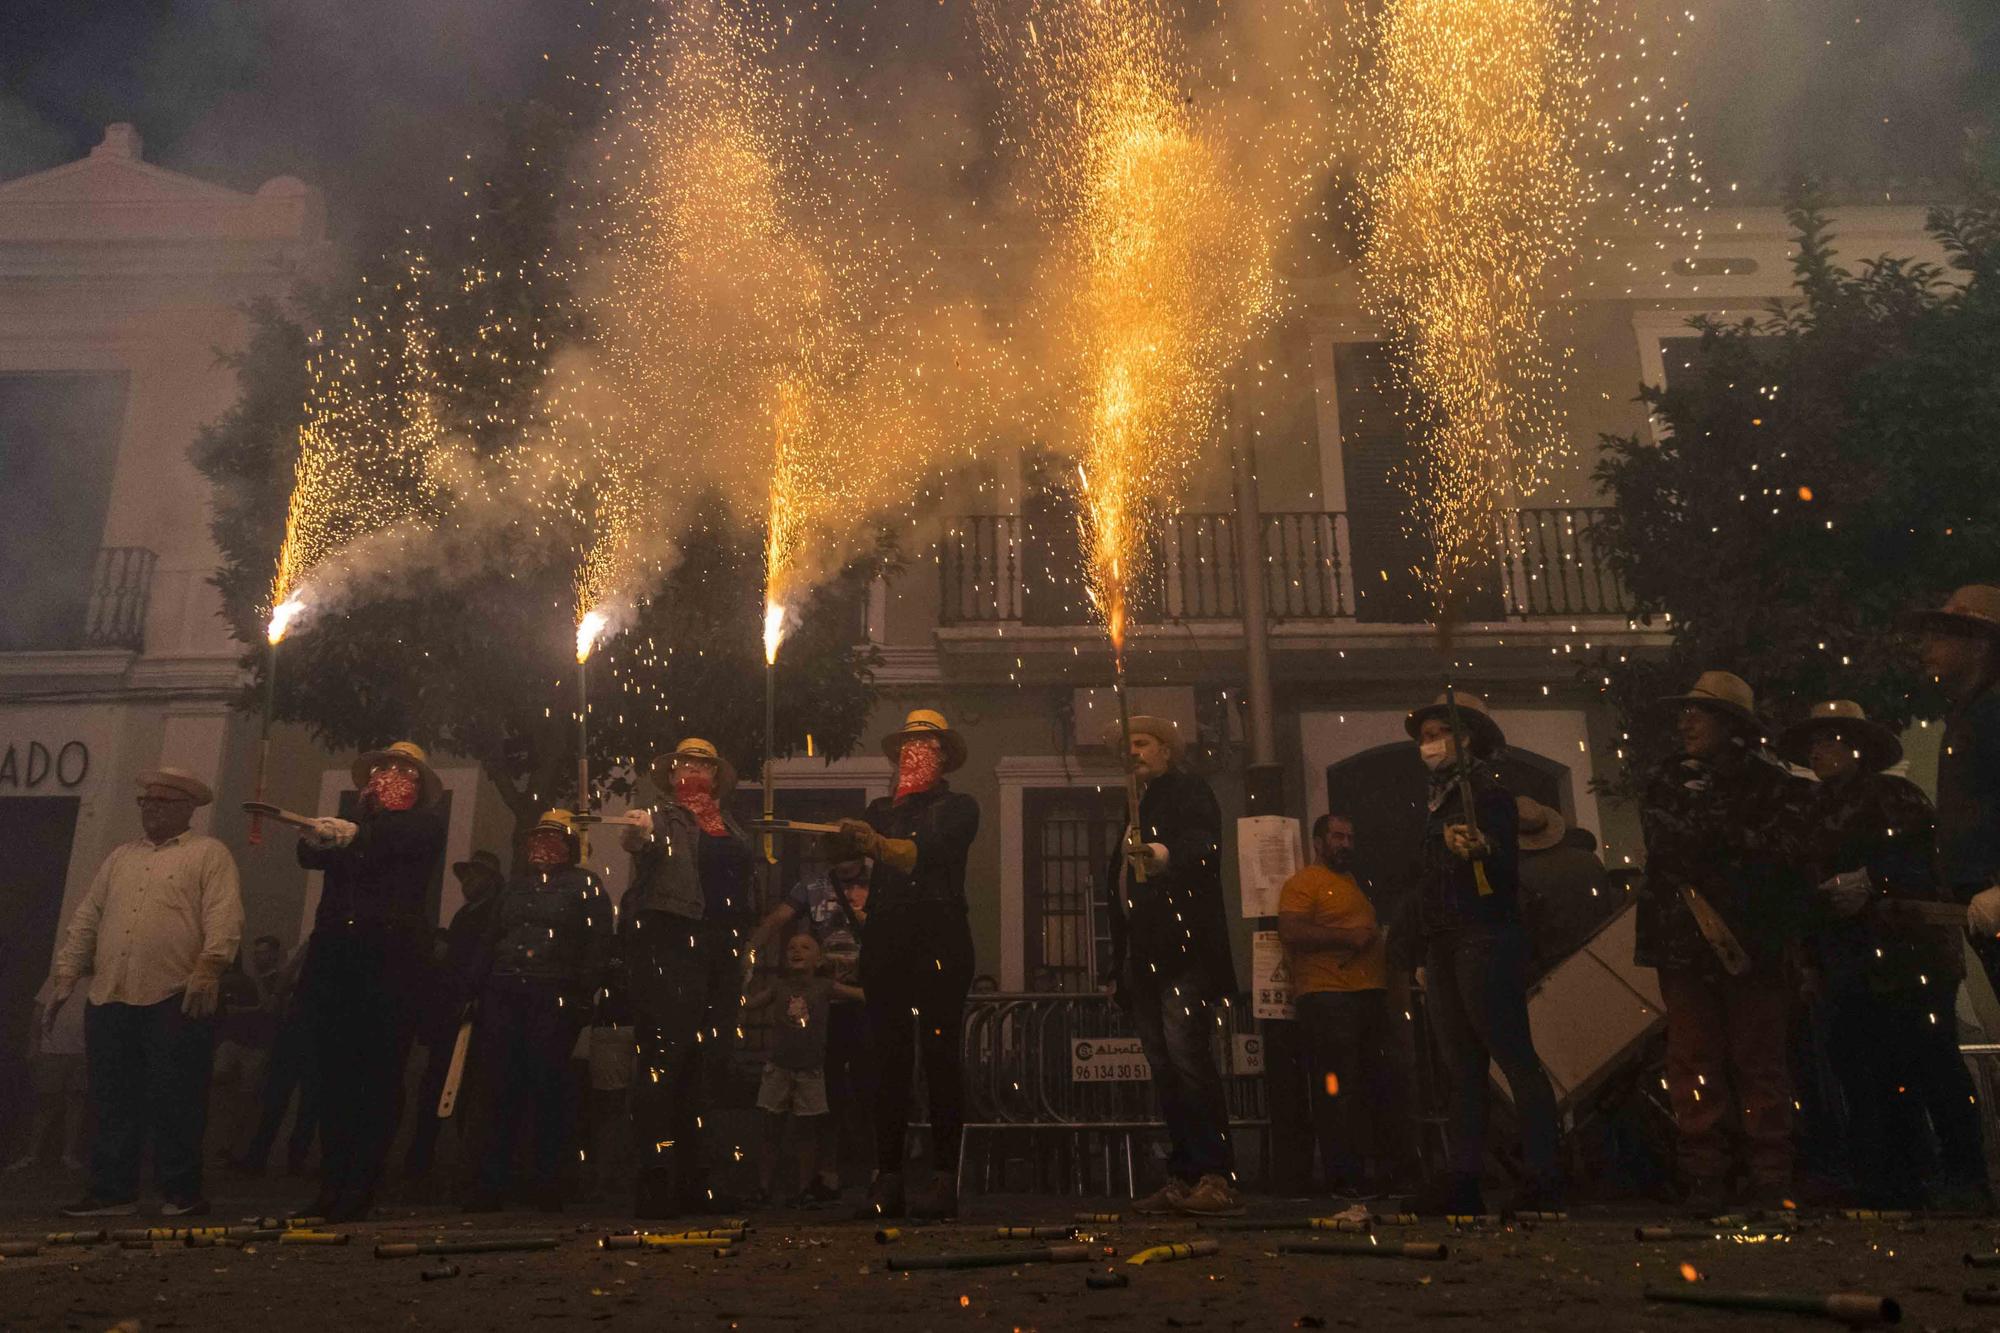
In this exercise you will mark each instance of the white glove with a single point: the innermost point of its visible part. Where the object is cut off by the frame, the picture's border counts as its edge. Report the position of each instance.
(1982, 914)
(1848, 892)
(328, 831)
(638, 830)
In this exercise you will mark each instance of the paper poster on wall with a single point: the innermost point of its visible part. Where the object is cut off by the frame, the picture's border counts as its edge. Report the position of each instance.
(1270, 978)
(1268, 851)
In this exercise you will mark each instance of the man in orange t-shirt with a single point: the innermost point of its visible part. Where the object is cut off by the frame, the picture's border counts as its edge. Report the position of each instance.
(1334, 950)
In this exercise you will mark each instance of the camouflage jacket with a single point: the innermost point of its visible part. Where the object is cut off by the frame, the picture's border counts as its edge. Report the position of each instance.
(1884, 825)
(1737, 831)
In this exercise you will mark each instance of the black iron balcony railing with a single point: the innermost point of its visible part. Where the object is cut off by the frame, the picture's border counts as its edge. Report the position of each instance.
(998, 568)
(102, 606)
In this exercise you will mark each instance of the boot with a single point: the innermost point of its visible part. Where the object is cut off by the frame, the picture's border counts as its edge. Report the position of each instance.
(885, 1198)
(939, 1200)
(653, 1196)
(1456, 1193)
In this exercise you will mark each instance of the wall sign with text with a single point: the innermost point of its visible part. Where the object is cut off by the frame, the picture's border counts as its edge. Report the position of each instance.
(31, 765)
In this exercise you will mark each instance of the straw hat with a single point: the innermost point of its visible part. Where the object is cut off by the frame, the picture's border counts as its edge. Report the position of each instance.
(1542, 826)
(1972, 610)
(408, 752)
(927, 724)
(1876, 745)
(1472, 714)
(1162, 729)
(694, 747)
(180, 780)
(479, 863)
(1725, 693)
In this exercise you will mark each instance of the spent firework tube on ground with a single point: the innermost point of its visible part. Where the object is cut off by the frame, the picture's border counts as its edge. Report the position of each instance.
(1164, 1254)
(1033, 1233)
(1853, 1308)
(1368, 1249)
(490, 1245)
(1046, 1254)
(1354, 1224)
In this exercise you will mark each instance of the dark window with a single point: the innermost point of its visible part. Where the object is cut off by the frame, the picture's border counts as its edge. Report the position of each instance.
(58, 450)
(1068, 836)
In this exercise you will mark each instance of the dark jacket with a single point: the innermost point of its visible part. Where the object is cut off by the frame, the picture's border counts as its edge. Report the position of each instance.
(1738, 831)
(1448, 896)
(551, 929)
(1968, 796)
(1175, 920)
(943, 824)
(383, 877)
(666, 873)
(1884, 825)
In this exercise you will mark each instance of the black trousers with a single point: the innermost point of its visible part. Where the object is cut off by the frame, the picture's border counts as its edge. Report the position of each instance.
(850, 1085)
(684, 981)
(522, 1037)
(148, 1066)
(1349, 1075)
(292, 1068)
(916, 967)
(361, 991)
(1896, 1056)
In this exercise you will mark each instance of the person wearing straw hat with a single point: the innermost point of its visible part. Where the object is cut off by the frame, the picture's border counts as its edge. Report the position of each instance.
(916, 955)
(155, 931)
(1475, 954)
(363, 981)
(1889, 985)
(1724, 897)
(684, 930)
(1171, 967)
(1959, 647)
(539, 977)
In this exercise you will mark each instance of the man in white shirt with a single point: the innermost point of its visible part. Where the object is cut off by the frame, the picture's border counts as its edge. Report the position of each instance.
(158, 926)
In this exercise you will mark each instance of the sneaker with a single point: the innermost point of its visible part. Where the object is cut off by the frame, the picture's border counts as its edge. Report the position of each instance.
(885, 1198)
(1213, 1196)
(1168, 1198)
(196, 1207)
(92, 1206)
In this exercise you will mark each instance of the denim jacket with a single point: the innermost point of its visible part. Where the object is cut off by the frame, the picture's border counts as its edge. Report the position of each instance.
(666, 873)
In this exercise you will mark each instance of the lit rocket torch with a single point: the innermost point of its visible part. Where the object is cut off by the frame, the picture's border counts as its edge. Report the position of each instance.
(588, 628)
(282, 616)
(774, 634)
(1105, 534)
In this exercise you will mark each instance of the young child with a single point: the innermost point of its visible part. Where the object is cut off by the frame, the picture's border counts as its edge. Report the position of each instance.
(795, 1079)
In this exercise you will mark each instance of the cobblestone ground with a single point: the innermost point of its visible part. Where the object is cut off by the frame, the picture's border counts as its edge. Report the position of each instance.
(817, 1271)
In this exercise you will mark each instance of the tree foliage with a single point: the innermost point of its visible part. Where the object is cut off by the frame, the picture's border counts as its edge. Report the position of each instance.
(471, 650)
(1820, 469)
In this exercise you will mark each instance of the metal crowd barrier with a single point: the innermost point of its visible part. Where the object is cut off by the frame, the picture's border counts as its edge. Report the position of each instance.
(1057, 1094)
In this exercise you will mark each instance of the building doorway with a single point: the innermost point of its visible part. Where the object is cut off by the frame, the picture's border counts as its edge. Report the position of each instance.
(38, 832)
(1069, 833)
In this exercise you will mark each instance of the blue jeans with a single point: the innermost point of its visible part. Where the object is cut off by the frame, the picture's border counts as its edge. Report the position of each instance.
(1476, 995)
(1177, 1029)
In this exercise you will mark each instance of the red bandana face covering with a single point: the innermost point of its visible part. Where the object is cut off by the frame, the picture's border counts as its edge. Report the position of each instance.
(694, 791)
(917, 766)
(393, 788)
(547, 850)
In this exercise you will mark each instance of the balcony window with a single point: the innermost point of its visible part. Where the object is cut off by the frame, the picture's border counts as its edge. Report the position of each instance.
(59, 442)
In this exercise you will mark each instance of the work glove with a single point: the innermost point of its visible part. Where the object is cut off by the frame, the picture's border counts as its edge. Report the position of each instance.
(328, 831)
(1848, 892)
(1148, 858)
(204, 989)
(859, 836)
(638, 830)
(1464, 842)
(1982, 914)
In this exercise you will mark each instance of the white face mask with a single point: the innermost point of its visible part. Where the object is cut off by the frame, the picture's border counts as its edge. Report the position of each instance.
(1436, 753)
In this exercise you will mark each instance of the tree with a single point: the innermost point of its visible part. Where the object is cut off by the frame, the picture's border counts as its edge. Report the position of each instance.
(1821, 468)
(474, 652)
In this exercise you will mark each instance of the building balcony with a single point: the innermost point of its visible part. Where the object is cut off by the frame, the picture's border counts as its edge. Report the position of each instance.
(105, 613)
(997, 569)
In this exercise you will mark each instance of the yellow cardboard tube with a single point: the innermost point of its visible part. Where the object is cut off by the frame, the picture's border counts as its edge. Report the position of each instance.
(1186, 1249)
